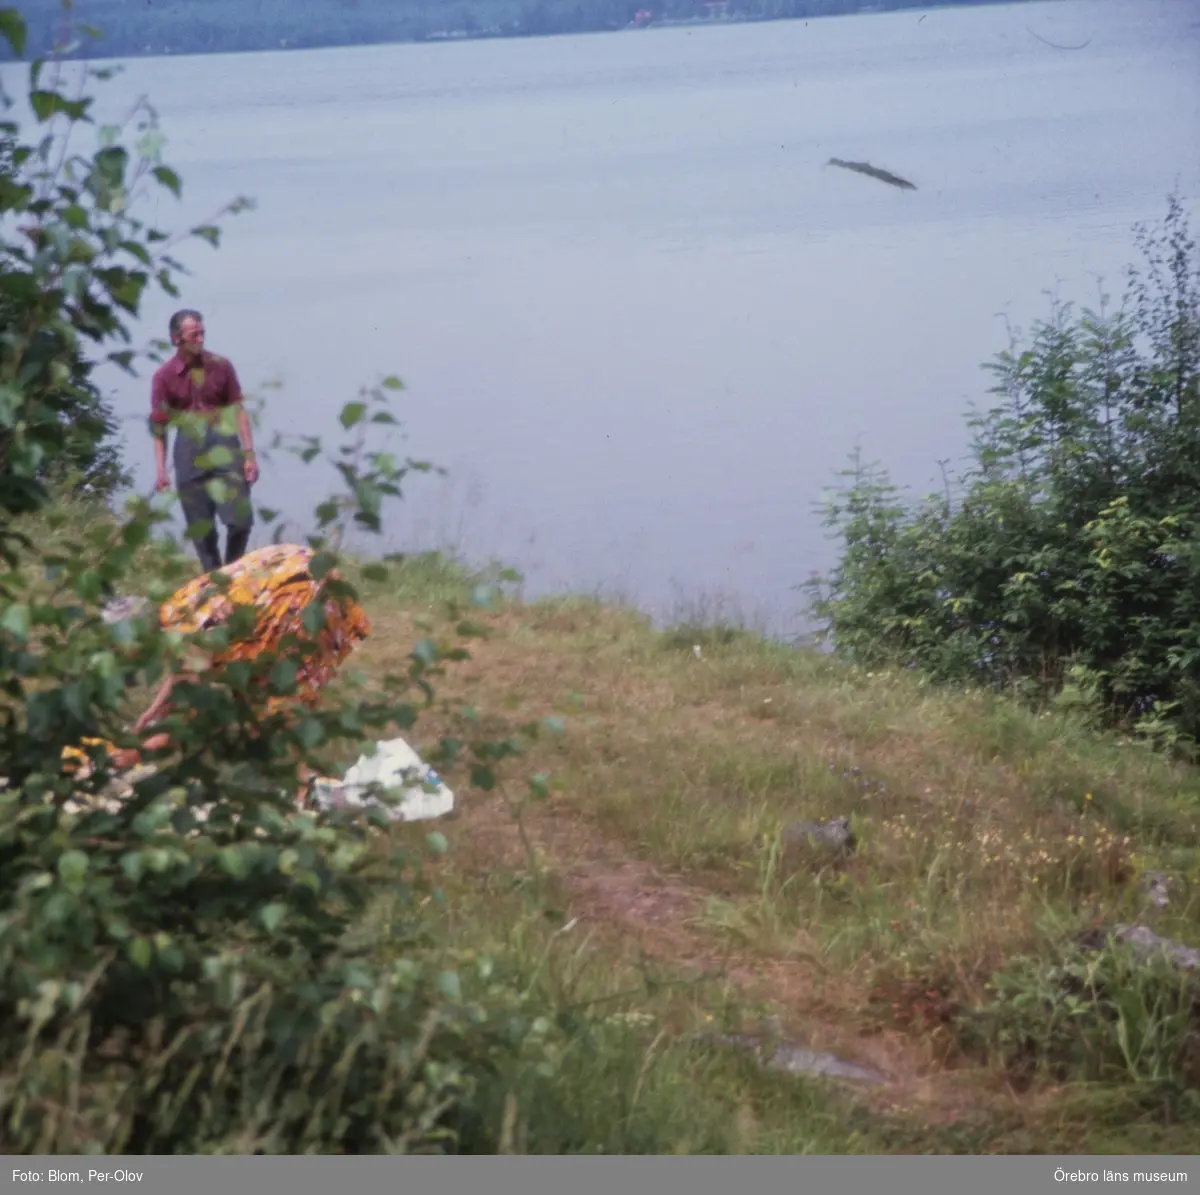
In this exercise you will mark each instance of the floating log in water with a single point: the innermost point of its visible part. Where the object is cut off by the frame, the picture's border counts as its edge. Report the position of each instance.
(884, 176)
(1054, 45)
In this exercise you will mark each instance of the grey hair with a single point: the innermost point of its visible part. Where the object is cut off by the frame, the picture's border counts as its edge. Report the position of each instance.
(120, 609)
(176, 321)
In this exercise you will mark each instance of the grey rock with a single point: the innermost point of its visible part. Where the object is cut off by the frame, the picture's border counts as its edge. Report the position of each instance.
(835, 833)
(1157, 887)
(854, 776)
(1148, 945)
(797, 1060)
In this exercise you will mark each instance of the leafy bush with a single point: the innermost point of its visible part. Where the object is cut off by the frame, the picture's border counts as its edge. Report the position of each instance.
(1100, 1016)
(1066, 560)
(90, 460)
(182, 967)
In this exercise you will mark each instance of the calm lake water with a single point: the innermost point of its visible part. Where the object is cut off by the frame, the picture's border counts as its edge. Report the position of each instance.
(638, 320)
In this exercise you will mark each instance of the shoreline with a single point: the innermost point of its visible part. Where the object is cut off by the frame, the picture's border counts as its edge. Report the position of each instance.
(218, 40)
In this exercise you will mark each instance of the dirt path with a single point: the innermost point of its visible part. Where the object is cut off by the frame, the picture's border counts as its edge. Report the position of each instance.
(637, 712)
(629, 903)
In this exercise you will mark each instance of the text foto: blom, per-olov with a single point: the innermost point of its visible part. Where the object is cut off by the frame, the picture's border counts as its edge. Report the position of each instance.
(77, 1176)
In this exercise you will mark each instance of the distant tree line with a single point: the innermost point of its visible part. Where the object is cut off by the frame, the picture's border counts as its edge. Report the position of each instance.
(135, 27)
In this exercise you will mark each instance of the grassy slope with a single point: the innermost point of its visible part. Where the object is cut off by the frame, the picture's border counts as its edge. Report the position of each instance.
(650, 886)
(652, 878)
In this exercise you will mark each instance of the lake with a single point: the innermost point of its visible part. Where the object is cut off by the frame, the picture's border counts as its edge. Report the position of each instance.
(638, 319)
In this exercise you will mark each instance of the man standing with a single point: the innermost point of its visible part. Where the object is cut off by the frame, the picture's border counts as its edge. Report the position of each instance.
(214, 465)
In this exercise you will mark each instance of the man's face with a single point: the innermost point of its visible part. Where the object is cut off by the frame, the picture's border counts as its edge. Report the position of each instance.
(191, 337)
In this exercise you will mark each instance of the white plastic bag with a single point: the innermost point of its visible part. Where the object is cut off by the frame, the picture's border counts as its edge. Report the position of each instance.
(403, 776)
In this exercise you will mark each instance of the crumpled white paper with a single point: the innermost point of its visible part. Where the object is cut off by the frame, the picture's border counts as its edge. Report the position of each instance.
(416, 792)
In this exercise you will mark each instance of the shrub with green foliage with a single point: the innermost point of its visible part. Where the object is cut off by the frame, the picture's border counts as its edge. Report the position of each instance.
(90, 461)
(1066, 560)
(182, 967)
(1097, 1015)
(73, 261)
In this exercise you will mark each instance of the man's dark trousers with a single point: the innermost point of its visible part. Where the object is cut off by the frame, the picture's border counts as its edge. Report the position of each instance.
(193, 476)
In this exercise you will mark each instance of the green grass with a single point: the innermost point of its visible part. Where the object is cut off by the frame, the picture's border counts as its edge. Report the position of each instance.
(988, 834)
(650, 898)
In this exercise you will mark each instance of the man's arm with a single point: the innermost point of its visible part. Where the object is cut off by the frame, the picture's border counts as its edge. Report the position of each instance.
(245, 432)
(234, 398)
(159, 414)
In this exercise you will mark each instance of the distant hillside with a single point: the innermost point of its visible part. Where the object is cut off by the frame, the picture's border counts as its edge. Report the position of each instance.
(137, 27)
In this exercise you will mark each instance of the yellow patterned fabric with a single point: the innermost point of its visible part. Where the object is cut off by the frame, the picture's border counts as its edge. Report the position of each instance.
(74, 758)
(277, 582)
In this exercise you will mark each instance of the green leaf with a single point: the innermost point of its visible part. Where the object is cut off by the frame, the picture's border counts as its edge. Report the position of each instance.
(17, 620)
(437, 842)
(48, 104)
(111, 164)
(322, 564)
(138, 250)
(426, 652)
(75, 282)
(272, 915)
(312, 618)
(217, 457)
(539, 786)
(140, 953)
(391, 382)
(132, 864)
(234, 862)
(72, 866)
(13, 29)
(352, 413)
(283, 676)
(357, 975)
(75, 216)
(310, 732)
(169, 179)
(149, 144)
(172, 958)
(209, 233)
(158, 860)
(449, 985)
(75, 698)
